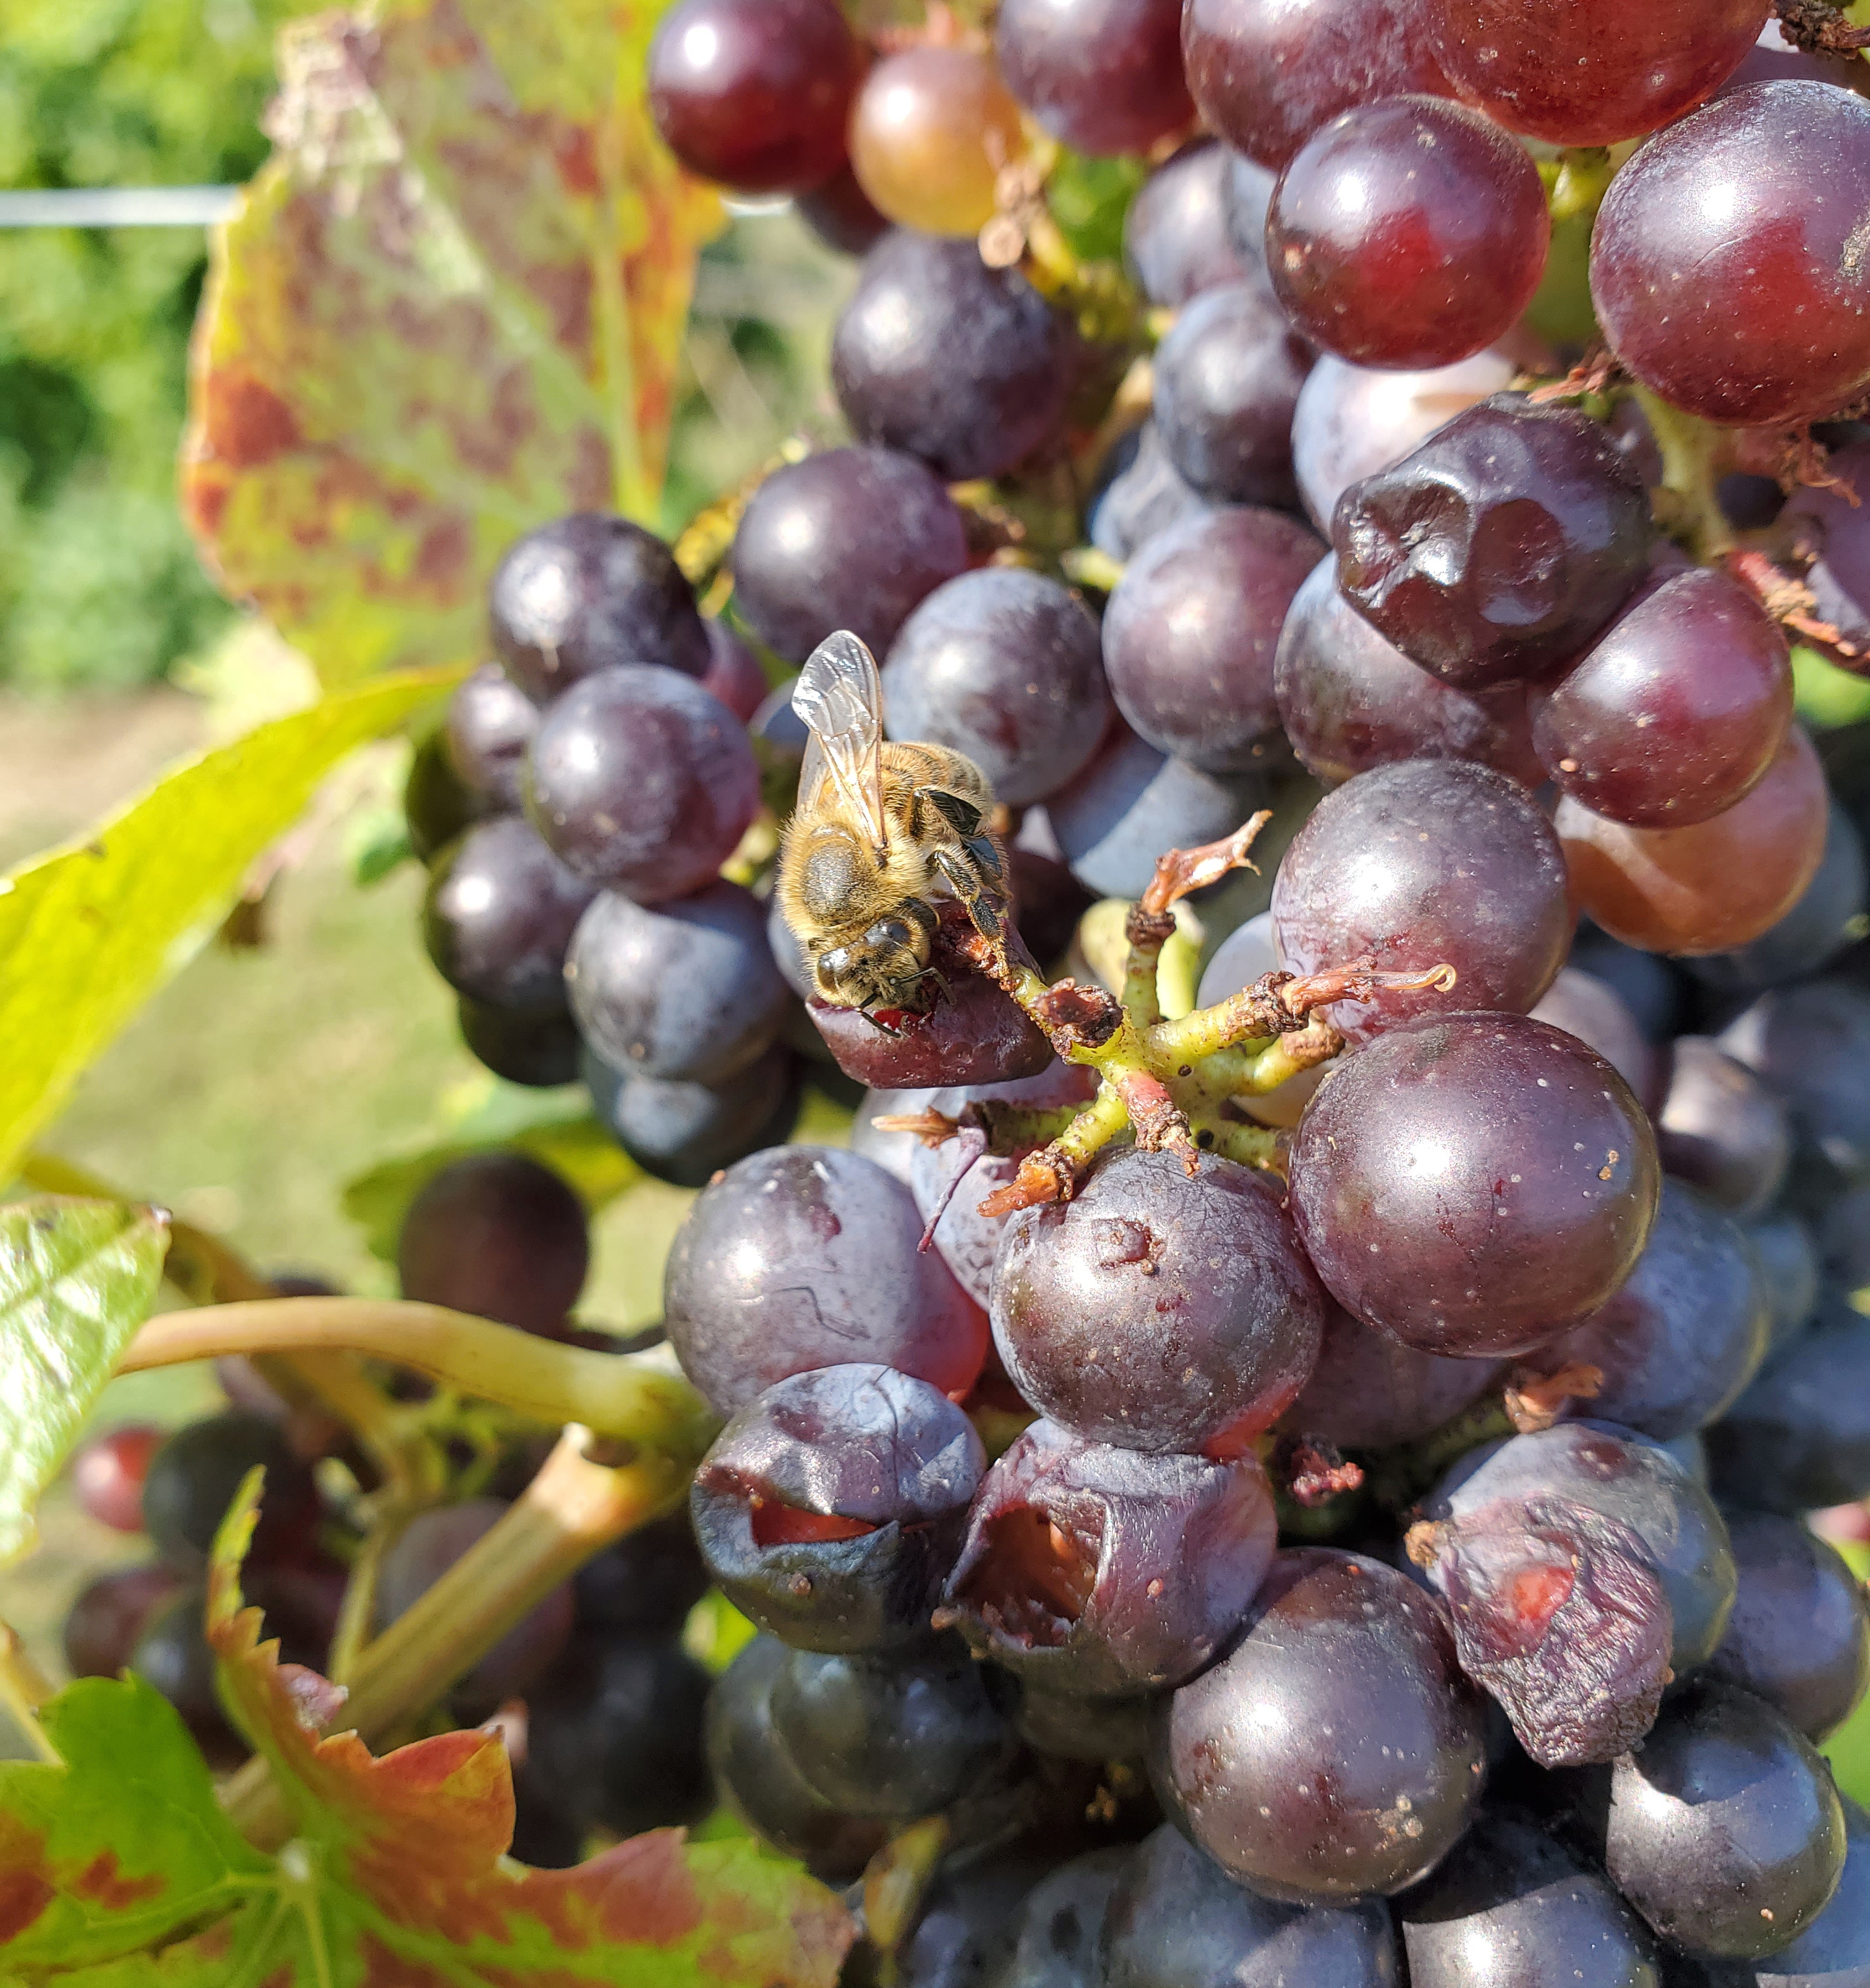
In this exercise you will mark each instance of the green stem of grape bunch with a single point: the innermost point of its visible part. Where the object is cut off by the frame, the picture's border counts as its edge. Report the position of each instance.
(1172, 1085)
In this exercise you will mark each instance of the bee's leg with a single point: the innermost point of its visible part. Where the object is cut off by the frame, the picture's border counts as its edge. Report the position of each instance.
(984, 905)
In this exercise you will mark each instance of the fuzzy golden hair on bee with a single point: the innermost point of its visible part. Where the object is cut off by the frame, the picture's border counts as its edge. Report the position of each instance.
(883, 833)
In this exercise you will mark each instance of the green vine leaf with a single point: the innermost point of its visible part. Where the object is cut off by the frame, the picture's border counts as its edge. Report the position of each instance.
(89, 930)
(76, 1279)
(449, 309)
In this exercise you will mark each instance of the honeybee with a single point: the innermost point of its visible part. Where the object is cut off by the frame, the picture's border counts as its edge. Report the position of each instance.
(882, 834)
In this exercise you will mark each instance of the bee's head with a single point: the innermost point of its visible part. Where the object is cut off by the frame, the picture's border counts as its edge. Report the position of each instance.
(882, 967)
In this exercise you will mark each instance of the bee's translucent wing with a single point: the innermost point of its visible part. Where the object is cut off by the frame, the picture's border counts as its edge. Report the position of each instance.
(839, 696)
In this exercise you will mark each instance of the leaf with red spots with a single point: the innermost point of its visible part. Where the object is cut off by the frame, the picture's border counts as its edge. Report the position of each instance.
(448, 308)
(118, 1869)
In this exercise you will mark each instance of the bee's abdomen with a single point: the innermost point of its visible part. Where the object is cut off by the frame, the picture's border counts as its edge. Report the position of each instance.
(830, 875)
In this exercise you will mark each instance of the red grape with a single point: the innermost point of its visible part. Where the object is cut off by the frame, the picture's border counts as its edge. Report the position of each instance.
(1677, 712)
(107, 1475)
(1594, 71)
(1474, 1184)
(1369, 1391)
(754, 92)
(498, 1235)
(1409, 232)
(1727, 264)
(1104, 76)
(1711, 886)
(1266, 74)
(1419, 863)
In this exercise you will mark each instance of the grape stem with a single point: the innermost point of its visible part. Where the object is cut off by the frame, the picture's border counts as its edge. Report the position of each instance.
(1693, 462)
(636, 1398)
(1170, 1083)
(578, 1504)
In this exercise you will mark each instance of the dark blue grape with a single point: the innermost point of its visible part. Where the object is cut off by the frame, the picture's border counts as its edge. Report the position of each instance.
(1175, 233)
(685, 1133)
(1799, 1438)
(499, 1236)
(1819, 927)
(192, 1479)
(1720, 1128)
(489, 725)
(499, 916)
(522, 1045)
(1227, 379)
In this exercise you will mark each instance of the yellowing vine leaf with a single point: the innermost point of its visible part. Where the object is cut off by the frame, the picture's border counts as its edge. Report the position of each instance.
(90, 929)
(118, 1869)
(448, 309)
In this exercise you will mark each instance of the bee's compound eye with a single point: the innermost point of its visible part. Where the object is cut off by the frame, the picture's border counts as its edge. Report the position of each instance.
(887, 933)
(832, 968)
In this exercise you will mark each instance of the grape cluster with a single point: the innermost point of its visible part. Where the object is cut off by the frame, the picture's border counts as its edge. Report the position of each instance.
(1345, 1507)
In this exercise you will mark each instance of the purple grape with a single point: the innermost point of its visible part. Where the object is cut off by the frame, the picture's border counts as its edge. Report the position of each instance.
(759, 1782)
(1499, 547)
(425, 1550)
(1095, 1571)
(899, 1736)
(687, 992)
(1084, 1729)
(1679, 1342)
(1003, 666)
(645, 1584)
(1353, 421)
(1474, 1184)
(1190, 634)
(938, 355)
(436, 807)
(1651, 989)
(1248, 952)
(1723, 1830)
(192, 1479)
(1337, 1750)
(1834, 1951)
(1810, 1044)
(973, 1034)
(1175, 236)
(537, 1048)
(499, 915)
(850, 538)
(1058, 1942)
(969, 1241)
(172, 1653)
(1101, 76)
(1130, 804)
(734, 673)
(641, 781)
(1176, 1919)
(1419, 863)
(490, 726)
(1146, 495)
(1799, 1438)
(498, 1235)
(1246, 194)
(1788, 1264)
(1720, 1128)
(107, 1621)
(1837, 532)
(841, 214)
(1407, 232)
(1511, 1906)
(1155, 1312)
(587, 592)
(1227, 379)
(1369, 1390)
(1351, 700)
(685, 1133)
(1677, 712)
(1799, 1636)
(832, 1507)
(805, 1256)
(1593, 1010)
(1266, 74)
(1048, 901)
(1581, 1567)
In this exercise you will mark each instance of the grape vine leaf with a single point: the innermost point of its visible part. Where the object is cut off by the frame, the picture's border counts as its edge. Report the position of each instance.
(89, 930)
(448, 308)
(118, 1869)
(77, 1278)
